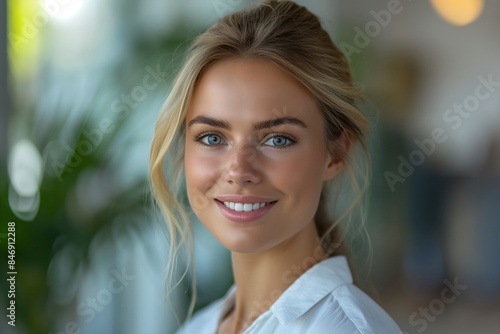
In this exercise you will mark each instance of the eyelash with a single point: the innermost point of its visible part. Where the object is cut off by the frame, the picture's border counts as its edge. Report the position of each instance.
(292, 139)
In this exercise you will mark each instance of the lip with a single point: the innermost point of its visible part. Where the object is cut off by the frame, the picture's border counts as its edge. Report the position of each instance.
(245, 199)
(244, 216)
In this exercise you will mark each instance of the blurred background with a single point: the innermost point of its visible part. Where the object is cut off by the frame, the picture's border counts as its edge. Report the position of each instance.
(81, 84)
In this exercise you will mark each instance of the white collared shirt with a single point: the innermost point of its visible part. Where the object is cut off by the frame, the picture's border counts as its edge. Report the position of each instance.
(322, 300)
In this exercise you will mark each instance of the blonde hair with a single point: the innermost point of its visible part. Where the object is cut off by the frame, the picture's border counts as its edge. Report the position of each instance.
(291, 37)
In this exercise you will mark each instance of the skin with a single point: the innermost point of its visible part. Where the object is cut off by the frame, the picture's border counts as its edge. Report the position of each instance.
(243, 160)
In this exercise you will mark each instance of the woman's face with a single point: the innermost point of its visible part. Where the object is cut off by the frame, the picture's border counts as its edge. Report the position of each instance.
(254, 142)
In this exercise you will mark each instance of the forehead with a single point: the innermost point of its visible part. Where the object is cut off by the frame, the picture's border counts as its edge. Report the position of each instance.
(249, 89)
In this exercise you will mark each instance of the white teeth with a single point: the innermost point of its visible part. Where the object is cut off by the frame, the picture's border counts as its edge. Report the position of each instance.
(239, 207)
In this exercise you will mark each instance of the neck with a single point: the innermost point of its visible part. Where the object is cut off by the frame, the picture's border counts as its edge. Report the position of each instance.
(261, 278)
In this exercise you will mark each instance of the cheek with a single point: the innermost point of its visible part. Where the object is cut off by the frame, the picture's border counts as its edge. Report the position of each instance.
(201, 176)
(298, 177)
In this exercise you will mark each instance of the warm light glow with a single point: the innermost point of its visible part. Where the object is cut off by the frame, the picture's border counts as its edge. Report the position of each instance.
(459, 12)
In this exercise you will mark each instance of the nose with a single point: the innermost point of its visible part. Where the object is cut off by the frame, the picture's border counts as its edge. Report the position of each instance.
(241, 168)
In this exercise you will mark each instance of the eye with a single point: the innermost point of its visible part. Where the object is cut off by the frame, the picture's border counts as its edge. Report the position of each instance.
(209, 139)
(280, 141)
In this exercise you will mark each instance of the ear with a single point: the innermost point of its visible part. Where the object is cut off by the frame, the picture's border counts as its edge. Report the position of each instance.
(336, 155)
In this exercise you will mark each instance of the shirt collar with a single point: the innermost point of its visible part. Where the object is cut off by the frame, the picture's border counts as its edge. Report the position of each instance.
(312, 286)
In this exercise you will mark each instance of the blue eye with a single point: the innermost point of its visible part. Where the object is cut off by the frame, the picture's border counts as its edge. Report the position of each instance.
(280, 141)
(210, 139)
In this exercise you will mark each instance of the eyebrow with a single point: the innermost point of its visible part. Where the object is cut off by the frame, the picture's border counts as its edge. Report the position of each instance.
(257, 126)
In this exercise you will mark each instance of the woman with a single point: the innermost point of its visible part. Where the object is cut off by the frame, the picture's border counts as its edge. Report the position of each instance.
(261, 120)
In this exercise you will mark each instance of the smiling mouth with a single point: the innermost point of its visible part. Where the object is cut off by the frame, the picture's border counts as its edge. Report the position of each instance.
(245, 207)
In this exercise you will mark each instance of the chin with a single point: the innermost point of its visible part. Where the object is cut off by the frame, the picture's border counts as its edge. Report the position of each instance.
(246, 245)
